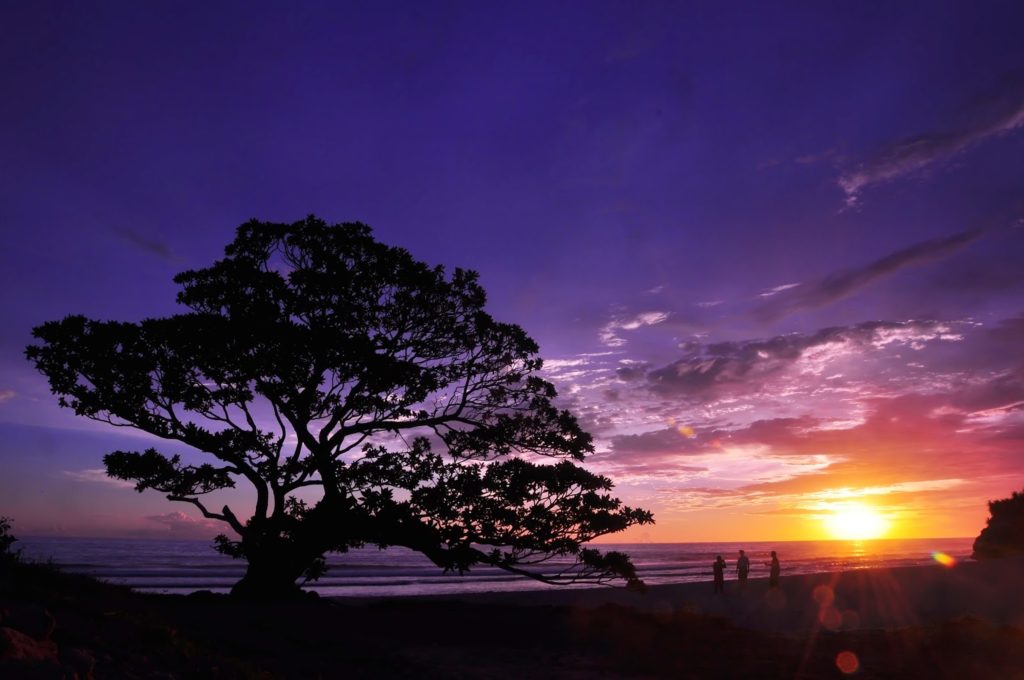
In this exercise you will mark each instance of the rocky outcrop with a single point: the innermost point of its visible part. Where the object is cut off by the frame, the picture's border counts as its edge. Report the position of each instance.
(32, 620)
(27, 650)
(16, 646)
(1004, 534)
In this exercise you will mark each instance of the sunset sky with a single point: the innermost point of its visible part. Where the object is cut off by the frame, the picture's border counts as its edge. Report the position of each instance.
(774, 258)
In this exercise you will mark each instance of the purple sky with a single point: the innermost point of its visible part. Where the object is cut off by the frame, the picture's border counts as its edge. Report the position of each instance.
(774, 257)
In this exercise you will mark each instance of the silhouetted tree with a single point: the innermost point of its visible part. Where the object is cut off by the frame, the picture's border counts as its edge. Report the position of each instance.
(1003, 535)
(366, 397)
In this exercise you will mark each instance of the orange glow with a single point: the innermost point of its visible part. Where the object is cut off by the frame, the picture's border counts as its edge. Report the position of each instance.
(855, 522)
(944, 559)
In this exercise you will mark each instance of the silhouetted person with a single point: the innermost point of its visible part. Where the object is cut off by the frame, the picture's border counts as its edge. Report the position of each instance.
(718, 569)
(742, 569)
(773, 573)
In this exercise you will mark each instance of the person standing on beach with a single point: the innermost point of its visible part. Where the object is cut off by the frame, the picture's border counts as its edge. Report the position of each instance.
(742, 569)
(718, 569)
(774, 570)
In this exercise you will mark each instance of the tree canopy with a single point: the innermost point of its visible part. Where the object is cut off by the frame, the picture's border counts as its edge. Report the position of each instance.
(364, 396)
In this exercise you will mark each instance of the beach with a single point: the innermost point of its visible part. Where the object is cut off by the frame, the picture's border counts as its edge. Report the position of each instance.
(917, 622)
(885, 598)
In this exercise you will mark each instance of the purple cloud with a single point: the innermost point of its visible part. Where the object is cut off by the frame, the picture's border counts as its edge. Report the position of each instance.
(747, 366)
(1002, 114)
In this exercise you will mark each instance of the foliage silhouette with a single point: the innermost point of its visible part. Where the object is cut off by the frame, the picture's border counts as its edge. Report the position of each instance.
(366, 398)
(1003, 535)
(7, 539)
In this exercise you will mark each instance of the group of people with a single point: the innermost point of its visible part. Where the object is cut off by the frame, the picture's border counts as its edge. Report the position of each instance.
(743, 570)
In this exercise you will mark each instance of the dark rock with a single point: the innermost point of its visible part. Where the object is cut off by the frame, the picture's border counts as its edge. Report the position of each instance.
(16, 646)
(1003, 536)
(36, 670)
(32, 620)
(203, 596)
(82, 660)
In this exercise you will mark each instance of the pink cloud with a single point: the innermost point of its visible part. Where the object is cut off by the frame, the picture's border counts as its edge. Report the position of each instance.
(181, 525)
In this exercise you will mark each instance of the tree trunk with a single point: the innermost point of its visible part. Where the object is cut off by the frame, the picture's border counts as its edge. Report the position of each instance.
(267, 580)
(275, 564)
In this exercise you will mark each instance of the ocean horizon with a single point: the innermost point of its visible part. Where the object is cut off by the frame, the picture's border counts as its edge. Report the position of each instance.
(180, 566)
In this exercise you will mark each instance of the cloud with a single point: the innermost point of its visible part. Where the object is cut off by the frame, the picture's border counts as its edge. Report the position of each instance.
(1000, 392)
(923, 418)
(1000, 115)
(842, 284)
(96, 476)
(665, 441)
(182, 525)
(150, 246)
(778, 289)
(6, 395)
(1010, 331)
(903, 440)
(630, 370)
(761, 499)
(708, 370)
(610, 333)
(906, 446)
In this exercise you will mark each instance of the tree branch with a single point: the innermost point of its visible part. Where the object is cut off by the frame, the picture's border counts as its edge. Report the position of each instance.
(228, 516)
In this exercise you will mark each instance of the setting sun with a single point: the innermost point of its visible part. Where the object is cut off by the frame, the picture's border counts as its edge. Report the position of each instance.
(855, 521)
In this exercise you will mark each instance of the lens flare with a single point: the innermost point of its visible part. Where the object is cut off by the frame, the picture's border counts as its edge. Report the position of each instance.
(823, 595)
(944, 559)
(847, 662)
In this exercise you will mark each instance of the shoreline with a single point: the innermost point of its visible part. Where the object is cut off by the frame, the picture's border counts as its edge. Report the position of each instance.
(886, 598)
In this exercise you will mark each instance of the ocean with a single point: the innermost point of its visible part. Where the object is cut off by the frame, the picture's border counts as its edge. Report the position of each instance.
(175, 566)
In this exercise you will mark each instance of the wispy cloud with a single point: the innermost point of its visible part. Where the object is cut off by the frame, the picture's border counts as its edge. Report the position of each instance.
(151, 246)
(1002, 114)
(842, 284)
(778, 289)
(6, 395)
(96, 476)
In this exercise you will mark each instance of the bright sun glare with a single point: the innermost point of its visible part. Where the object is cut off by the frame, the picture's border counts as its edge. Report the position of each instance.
(856, 522)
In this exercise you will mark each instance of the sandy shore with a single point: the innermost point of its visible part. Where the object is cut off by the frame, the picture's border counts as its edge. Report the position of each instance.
(864, 599)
